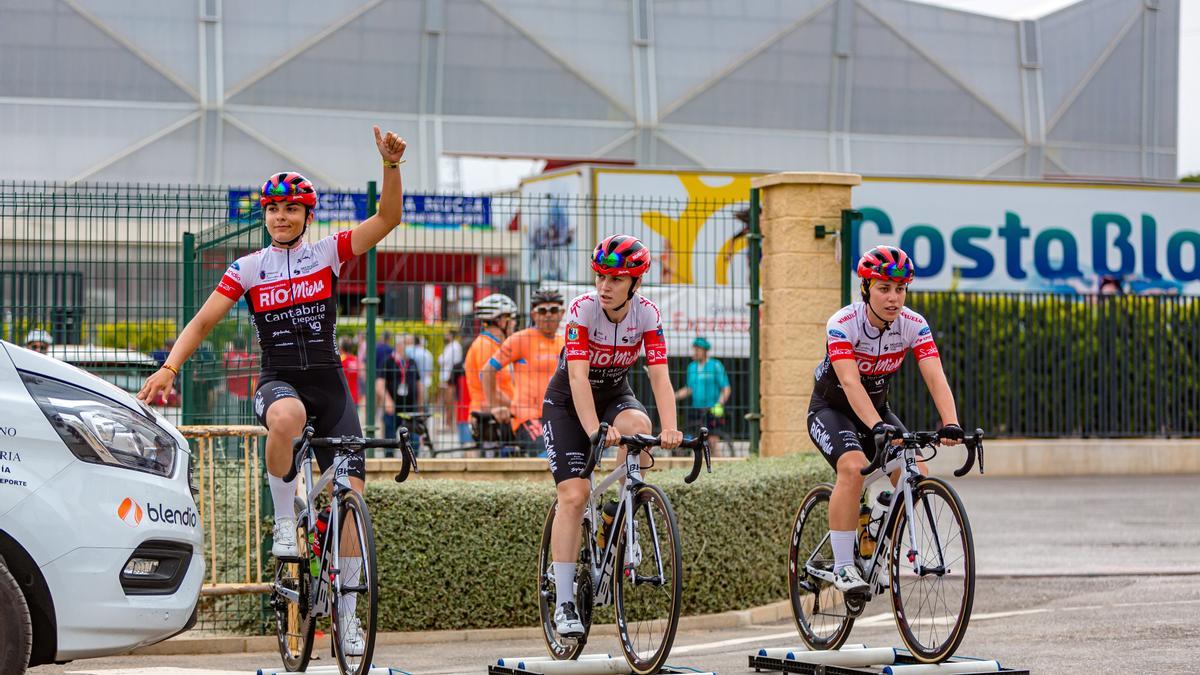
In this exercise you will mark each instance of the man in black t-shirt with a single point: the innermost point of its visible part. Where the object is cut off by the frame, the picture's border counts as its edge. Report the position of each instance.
(399, 389)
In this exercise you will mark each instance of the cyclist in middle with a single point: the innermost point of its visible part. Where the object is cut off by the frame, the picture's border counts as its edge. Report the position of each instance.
(606, 329)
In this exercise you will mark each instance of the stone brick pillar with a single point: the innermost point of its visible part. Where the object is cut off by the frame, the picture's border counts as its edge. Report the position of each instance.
(801, 288)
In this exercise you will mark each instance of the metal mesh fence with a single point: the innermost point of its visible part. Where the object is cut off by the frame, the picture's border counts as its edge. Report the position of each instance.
(112, 272)
(1042, 365)
(455, 250)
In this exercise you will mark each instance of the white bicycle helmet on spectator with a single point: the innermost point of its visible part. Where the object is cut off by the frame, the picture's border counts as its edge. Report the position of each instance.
(39, 335)
(495, 306)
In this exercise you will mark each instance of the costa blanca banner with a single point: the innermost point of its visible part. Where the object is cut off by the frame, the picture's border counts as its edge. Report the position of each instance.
(1011, 236)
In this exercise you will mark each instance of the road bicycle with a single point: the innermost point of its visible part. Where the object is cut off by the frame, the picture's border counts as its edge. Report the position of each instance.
(313, 586)
(417, 424)
(634, 562)
(490, 439)
(926, 560)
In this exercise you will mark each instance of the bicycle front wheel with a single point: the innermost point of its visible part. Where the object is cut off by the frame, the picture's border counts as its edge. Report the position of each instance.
(649, 584)
(819, 607)
(356, 602)
(290, 600)
(933, 585)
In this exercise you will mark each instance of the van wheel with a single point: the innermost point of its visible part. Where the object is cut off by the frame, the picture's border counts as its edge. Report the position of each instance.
(15, 624)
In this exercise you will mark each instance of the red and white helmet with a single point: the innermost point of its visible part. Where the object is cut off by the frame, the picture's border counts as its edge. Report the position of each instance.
(288, 186)
(886, 263)
(621, 255)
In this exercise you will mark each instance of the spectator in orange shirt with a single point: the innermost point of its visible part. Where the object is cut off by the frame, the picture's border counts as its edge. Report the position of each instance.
(497, 315)
(533, 354)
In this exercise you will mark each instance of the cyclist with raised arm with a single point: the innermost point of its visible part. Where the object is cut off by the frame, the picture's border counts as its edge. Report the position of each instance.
(532, 355)
(291, 289)
(865, 345)
(606, 329)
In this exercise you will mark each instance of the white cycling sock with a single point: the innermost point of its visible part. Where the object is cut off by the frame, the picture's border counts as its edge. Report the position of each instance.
(564, 582)
(843, 548)
(283, 495)
(351, 572)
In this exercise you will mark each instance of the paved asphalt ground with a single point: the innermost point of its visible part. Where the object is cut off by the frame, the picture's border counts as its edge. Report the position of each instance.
(1076, 575)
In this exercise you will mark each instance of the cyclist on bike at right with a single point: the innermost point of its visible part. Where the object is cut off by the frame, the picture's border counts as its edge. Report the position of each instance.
(606, 329)
(866, 343)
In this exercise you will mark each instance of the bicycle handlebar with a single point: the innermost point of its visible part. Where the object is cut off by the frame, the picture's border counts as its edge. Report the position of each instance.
(974, 444)
(349, 444)
(698, 444)
(885, 450)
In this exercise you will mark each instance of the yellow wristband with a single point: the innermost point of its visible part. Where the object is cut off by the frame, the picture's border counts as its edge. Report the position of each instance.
(392, 165)
(171, 368)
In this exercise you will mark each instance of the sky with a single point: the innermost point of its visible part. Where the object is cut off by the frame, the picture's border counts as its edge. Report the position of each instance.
(478, 174)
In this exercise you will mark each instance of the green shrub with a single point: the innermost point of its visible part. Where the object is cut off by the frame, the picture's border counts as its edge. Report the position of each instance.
(455, 554)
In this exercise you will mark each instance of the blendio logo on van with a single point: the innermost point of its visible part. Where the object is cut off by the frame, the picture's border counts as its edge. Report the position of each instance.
(157, 513)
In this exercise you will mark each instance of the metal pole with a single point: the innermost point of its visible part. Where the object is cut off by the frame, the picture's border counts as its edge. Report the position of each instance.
(754, 417)
(846, 240)
(186, 371)
(371, 302)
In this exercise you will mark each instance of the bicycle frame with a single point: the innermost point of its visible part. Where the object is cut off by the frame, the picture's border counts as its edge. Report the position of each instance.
(903, 458)
(331, 541)
(602, 563)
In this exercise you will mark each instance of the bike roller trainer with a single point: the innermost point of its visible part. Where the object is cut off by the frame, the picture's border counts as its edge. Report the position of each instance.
(332, 670)
(586, 664)
(862, 659)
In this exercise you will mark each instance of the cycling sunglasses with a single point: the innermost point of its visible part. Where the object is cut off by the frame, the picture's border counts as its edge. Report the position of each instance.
(613, 259)
(894, 270)
(548, 309)
(280, 189)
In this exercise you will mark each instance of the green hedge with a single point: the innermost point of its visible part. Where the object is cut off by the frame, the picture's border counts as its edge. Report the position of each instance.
(456, 554)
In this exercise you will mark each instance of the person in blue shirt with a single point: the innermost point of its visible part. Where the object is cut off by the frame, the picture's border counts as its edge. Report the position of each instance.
(708, 385)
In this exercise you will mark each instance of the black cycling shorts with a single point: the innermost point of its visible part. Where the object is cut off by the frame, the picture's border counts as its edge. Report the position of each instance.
(567, 444)
(326, 397)
(835, 433)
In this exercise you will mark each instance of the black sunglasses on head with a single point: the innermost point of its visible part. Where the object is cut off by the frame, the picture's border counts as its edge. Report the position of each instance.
(553, 309)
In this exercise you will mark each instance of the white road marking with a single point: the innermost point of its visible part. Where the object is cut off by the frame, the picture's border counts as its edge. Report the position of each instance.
(736, 641)
(156, 671)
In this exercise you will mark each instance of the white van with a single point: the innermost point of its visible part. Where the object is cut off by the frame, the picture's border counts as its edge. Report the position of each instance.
(100, 537)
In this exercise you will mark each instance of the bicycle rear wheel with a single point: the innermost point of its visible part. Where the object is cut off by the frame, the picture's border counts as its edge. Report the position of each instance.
(358, 585)
(560, 649)
(649, 592)
(933, 605)
(294, 623)
(819, 608)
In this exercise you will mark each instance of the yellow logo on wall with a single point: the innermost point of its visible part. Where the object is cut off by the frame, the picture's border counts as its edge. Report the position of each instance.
(680, 234)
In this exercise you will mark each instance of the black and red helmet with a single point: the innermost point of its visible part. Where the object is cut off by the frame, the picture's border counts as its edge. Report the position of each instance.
(621, 255)
(886, 263)
(288, 186)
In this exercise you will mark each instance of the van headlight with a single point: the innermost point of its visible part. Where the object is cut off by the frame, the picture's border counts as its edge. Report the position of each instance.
(101, 431)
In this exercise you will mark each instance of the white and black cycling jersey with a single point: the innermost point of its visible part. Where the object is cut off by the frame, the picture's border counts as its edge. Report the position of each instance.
(292, 295)
(877, 352)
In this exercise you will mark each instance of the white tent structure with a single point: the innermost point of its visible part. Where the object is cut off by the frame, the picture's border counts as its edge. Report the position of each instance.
(224, 92)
